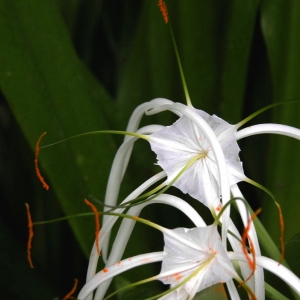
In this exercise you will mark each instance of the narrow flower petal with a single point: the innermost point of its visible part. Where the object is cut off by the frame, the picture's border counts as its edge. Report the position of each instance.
(269, 128)
(138, 113)
(110, 221)
(116, 269)
(245, 215)
(118, 169)
(237, 247)
(135, 120)
(271, 265)
(232, 290)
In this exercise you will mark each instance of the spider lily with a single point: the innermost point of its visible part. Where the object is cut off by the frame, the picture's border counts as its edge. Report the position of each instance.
(206, 138)
(213, 190)
(256, 283)
(192, 260)
(177, 144)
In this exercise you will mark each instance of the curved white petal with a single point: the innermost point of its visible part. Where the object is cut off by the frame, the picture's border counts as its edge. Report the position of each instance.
(110, 221)
(271, 265)
(160, 108)
(135, 119)
(116, 269)
(178, 294)
(245, 215)
(237, 247)
(232, 290)
(116, 175)
(138, 113)
(269, 128)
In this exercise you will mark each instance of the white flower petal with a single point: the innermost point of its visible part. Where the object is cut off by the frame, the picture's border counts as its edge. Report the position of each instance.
(105, 231)
(232, 290)
(118, 169)
(116, 269)
(259, 289)
(179, 294)
(269, 128)
(271, 265)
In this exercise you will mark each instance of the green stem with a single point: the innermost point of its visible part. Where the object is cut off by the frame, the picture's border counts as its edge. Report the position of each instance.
(273, 294)
(243, 122)
(186, 92)
(137, 135)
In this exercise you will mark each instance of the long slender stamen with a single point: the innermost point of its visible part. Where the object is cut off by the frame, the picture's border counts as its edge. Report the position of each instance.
(163, 8)
(38, 173)
(186, 92)
(251, 263)
(30, 237)
(241, 123)
(97, 223)
(68, 296)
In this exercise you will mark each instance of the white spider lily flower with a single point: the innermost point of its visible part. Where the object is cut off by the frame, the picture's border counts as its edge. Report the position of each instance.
(193, 259)
(177, 144)
(255, 283)
(197, 255)
(126, 228)
(212, 190)
(122, 157)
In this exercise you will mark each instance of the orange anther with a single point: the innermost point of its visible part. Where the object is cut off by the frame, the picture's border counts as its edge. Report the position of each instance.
(97, 223)
(163, 8)
(30, 226)
(38, 173)
(69, 295)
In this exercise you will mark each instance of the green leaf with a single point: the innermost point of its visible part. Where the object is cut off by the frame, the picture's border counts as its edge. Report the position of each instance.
(280, 23)
(50, 90)
(292, 250)
(216, 291)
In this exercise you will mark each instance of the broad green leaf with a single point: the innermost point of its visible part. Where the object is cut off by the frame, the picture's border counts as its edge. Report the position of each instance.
(27, 283)
(216, 291)
(292, 250)
(50, 90)
(280, 23)
(235, 49)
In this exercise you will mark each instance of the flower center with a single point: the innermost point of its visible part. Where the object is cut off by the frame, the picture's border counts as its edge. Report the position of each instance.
(202, 154)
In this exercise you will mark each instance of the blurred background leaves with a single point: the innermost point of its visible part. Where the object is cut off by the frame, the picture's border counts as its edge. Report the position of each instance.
(69, 67)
